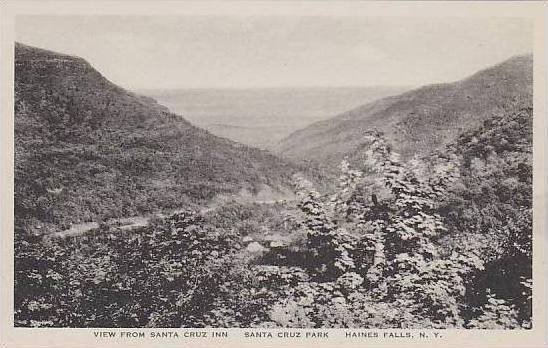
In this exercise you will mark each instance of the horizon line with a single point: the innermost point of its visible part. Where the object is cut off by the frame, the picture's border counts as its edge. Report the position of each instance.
(268, 87)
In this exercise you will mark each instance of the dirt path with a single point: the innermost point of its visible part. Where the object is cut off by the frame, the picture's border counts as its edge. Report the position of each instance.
(122, 223)
(130, 223)
(76, 229)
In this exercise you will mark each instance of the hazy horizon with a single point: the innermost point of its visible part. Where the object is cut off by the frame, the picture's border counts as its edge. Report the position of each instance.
(243, 88)
(233, 52)
(261, 117)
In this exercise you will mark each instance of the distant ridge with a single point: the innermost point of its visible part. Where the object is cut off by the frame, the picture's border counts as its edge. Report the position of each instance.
(420, 120)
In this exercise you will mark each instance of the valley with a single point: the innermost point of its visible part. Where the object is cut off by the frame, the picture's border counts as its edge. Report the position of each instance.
(261, 117)
(271, 208)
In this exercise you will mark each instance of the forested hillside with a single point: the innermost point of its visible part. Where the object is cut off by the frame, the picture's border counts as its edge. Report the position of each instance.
(490, 208)
(419, 120)
(441, 238)
(422, 244)
(87, 150)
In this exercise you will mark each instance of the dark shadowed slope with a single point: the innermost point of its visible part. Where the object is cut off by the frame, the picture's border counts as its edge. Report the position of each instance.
(420, 120)
(86, 149)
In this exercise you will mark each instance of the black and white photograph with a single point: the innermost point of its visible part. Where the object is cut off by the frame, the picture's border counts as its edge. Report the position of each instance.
(273, 172)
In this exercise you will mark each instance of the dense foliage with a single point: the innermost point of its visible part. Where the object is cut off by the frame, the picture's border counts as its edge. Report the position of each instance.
(164, 275)
(381, 251)
(437, 241)
(87, 150)
(490, 209)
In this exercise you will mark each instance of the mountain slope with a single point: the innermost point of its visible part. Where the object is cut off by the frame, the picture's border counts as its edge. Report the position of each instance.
(489, 208)
(86, 149)
(419, 120)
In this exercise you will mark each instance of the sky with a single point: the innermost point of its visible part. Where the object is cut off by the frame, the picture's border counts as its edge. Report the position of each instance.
(165, 52)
